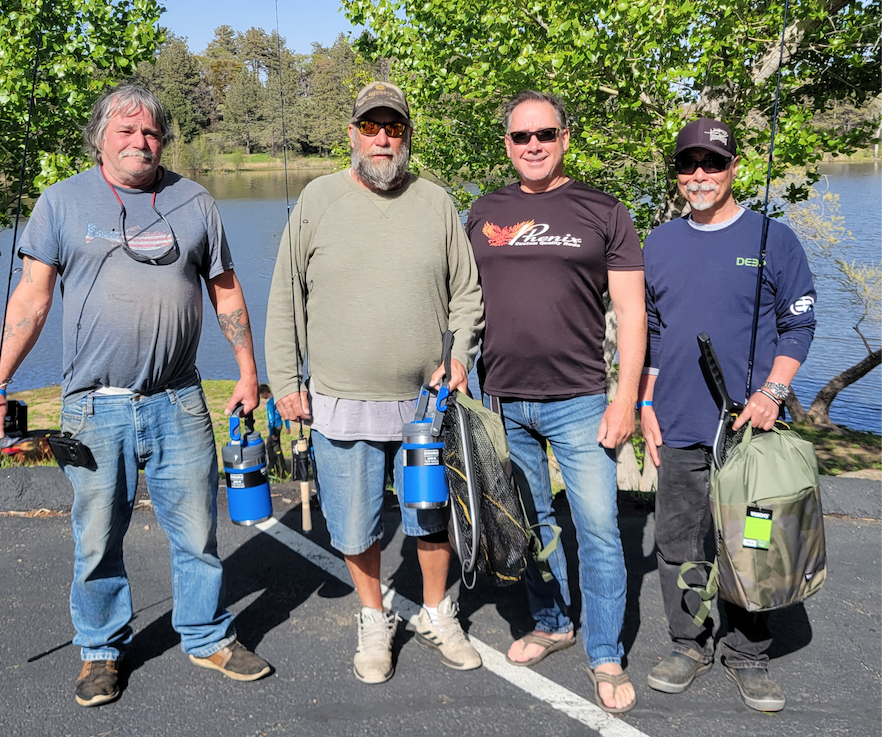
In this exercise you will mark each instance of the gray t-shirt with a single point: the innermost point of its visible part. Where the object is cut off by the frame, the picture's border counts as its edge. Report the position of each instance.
(128, 324)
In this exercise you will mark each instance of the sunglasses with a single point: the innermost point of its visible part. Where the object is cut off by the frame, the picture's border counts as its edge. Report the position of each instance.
(144, 258)
(372, 128)
(710, 164)
(521, 138)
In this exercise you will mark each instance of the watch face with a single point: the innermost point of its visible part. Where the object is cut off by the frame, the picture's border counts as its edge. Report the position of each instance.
(780, 391)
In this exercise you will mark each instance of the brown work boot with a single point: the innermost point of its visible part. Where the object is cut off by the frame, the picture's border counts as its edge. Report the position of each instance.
(235, 661)
(97, 683)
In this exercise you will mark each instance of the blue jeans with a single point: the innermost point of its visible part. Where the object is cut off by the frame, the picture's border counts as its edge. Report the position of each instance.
(589, 472)
(351, 482)
(169, 436)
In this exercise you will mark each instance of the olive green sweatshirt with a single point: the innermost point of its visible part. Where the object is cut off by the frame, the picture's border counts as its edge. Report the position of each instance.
(381, 278)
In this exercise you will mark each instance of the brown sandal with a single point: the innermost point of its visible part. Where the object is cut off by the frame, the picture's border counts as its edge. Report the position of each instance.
(616, 681)
(549, 645)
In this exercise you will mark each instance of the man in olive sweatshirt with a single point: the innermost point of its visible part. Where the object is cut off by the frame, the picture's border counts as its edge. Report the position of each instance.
(383, 268)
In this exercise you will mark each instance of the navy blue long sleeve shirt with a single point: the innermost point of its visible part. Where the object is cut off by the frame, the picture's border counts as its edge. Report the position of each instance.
(705, 282)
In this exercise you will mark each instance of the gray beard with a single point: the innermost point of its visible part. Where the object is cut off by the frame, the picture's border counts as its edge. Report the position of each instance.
(381, 177)
(702, 203)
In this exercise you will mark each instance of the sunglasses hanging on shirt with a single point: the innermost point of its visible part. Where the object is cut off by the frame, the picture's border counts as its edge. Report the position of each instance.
(155, 257)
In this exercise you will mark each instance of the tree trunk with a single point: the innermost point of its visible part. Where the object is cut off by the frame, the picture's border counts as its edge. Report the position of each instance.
(819, 412)
(795, 408)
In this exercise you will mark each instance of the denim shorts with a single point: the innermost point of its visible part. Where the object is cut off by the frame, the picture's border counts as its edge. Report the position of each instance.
(351, 481)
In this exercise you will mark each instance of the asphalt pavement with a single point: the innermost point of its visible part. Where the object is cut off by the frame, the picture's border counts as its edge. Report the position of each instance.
(297, 609)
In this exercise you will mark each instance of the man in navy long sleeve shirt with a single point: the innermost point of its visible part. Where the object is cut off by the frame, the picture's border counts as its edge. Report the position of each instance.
(701, 278)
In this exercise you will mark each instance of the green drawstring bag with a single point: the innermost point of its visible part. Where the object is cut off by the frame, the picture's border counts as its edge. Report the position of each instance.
(769, 525)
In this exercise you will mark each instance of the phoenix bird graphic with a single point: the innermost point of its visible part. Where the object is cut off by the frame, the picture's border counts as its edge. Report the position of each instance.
(501, 235)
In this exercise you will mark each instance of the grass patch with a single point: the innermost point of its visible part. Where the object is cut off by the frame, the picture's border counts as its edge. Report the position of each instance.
(843, 450)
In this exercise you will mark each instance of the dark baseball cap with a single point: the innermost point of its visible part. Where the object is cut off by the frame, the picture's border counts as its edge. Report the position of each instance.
(380, 94)
(706, 133)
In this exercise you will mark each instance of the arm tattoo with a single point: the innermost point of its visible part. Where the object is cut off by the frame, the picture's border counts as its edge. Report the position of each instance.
(238, 332)
(9, 331)
(26, 269)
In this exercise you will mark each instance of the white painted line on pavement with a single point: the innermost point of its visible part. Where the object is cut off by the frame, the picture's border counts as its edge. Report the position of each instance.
(536, 685)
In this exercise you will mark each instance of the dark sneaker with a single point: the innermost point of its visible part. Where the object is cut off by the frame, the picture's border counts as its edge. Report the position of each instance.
(757, 688)
(675, 673)
(235, 661)
(97, 683)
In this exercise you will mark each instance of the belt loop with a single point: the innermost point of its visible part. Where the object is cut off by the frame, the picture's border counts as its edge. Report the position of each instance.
(172, 395)
(89, 406)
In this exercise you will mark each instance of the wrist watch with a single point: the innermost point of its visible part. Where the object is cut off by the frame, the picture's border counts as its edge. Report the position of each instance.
(779, 391)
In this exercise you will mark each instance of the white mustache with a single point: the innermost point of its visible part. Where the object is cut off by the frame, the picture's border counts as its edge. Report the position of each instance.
(701, 187)
(146, 155)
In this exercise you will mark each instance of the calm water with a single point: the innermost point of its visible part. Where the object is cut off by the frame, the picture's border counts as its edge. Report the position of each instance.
(252, 205)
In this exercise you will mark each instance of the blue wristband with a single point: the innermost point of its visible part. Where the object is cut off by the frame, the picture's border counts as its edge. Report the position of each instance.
(644, 403)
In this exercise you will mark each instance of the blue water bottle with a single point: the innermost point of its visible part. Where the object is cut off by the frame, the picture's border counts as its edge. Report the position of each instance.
(425, 476)
(244, 458)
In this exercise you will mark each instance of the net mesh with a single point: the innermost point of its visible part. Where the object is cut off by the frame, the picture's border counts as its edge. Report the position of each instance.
(733, 438)
(504, 540)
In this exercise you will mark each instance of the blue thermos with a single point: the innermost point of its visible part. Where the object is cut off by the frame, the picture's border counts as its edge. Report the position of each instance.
(244, 458)
(425, 476)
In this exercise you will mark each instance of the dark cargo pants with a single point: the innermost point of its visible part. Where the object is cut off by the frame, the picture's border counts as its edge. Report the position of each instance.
(683, 519)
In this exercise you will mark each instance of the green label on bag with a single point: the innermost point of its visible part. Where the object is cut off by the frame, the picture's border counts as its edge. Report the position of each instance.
(758, 528)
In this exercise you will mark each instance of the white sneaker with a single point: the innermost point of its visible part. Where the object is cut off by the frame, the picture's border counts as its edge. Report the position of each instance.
(373, 659)
(447, 637)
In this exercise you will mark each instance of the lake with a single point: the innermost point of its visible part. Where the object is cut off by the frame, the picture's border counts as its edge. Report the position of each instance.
(252, 205)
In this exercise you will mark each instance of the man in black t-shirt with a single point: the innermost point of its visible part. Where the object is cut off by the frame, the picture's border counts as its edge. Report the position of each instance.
(547, 248)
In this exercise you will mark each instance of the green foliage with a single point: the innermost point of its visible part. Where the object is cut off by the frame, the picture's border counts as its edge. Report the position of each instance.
(83, 46)
(175, 77)
(632, 72)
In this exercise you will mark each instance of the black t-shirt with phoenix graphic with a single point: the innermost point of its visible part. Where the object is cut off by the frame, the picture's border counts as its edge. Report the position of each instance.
(542, 262)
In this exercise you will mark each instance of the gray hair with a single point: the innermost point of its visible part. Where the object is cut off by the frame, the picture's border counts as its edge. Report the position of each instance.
(124, 99)
(533, 96)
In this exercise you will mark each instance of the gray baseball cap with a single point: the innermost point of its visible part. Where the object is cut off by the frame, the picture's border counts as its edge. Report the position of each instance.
(380, 94)
(706, 133)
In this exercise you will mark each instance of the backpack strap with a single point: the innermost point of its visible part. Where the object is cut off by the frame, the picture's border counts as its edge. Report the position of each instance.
(706, 592)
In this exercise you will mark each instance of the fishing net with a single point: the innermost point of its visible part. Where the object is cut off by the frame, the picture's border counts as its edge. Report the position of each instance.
(733, 438)
(504, 540)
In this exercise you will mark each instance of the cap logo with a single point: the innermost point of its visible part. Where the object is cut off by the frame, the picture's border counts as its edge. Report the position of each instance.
(718, 134)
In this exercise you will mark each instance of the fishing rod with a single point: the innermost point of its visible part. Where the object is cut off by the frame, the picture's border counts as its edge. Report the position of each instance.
(765, 232)
(299, 448)
(22, 172)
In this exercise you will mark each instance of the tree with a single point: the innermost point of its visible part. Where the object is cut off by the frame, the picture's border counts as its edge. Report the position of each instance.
(220, 65)
(244, 109)
(175, 77)
(332, 93)
(631, 72)
(84, 45)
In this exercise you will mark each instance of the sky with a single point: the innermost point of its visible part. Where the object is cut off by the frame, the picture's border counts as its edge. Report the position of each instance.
(300, 21)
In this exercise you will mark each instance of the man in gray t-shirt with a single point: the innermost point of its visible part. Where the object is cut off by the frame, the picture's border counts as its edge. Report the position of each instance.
(132, 244)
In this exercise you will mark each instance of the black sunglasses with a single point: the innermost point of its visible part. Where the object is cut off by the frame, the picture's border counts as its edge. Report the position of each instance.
(521, 138)
(710, 164)
(372, 128)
